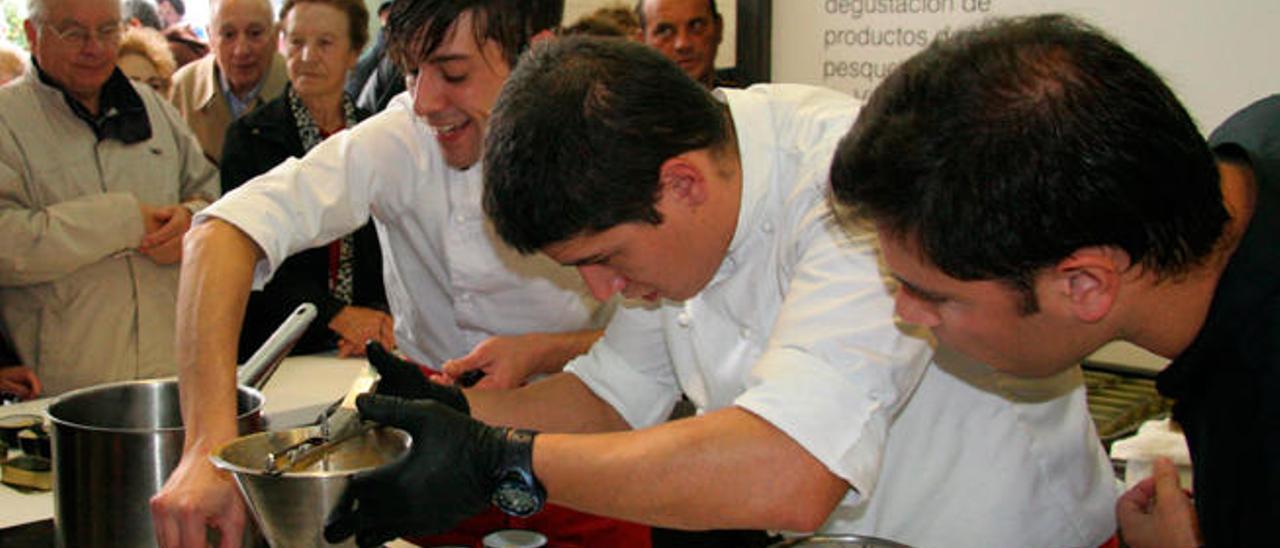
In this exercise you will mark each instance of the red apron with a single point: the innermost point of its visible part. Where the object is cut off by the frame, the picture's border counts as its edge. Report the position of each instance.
(564, 528)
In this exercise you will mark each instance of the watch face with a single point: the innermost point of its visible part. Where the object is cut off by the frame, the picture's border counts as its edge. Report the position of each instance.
(516, 496)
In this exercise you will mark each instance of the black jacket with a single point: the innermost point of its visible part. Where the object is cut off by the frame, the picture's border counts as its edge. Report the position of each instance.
(386, 82)
(367, 64)
(257, 142)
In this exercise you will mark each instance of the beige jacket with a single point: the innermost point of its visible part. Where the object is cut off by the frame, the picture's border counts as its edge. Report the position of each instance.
(197, 93)
(80, 306)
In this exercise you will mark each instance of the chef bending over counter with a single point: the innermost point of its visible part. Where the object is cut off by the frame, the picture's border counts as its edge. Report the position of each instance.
(817, 412)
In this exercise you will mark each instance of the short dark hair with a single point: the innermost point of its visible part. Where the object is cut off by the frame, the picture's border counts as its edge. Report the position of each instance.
(620, 16)
(178, 6)
(415, 28)
(544, 15)
(1008, 146)
(144, 11)
(639, 11)
(357, 17)
(579, 134)
(594, 25)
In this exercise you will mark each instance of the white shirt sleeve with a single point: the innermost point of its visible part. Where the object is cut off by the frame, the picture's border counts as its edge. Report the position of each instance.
(836, 367)
(308, 202)
(630, 368)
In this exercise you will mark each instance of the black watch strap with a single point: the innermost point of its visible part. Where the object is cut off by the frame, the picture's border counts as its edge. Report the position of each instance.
(517, 490)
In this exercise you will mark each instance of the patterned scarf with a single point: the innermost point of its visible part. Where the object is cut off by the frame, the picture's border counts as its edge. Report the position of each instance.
(342, 251)
(307, 128)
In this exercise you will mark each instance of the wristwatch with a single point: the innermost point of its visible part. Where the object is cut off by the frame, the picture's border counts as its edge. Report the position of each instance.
(518, 492)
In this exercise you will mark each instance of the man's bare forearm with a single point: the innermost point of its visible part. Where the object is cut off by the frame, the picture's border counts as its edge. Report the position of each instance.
(217, 275)
(726, 469)
(559, 403)
(559, 348)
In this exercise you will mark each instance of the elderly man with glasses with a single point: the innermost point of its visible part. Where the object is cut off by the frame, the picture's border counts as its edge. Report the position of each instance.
(98, 181)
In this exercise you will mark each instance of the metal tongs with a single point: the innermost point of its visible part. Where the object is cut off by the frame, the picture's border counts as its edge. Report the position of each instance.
(305, 453)
(337, 426)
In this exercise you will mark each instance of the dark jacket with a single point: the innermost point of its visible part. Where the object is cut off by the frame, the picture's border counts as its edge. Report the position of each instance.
(386, 82)
(255, 143)
(367, 64)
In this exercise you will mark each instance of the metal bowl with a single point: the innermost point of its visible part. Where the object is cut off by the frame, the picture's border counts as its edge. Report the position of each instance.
(291, 507)
(840, 541)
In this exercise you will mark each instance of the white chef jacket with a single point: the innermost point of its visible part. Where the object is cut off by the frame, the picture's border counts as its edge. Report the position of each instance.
(450, 281)
(797, 327)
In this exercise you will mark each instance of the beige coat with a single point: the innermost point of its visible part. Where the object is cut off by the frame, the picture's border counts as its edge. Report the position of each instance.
(197, 93)
(80, 306)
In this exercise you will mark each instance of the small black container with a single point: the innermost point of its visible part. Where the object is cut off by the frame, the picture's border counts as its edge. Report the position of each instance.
(34, 441)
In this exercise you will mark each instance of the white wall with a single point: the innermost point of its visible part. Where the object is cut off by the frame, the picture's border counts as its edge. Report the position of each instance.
(1218, 55)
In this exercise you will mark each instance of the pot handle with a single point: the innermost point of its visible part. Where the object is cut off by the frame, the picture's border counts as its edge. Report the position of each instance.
(263, 363)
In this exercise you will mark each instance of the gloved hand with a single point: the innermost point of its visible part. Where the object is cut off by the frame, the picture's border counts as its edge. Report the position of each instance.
(404, 379)
(449, 474)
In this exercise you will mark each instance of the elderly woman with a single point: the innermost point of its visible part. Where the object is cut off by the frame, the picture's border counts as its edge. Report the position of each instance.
(322, 40)
(145, 58)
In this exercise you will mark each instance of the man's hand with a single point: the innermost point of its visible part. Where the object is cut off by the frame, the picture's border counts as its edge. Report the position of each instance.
(356, 325)
(1157, 513)
(197, 496)
(448, 476)
(20, 381)
(506, 361)
(164, 228)
(404, 379)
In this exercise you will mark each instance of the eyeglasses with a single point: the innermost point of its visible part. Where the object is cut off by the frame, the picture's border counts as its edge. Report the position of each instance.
(77, 36)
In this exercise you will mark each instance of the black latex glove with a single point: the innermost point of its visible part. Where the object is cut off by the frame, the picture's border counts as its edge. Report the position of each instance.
(449, 474)
(404, 379)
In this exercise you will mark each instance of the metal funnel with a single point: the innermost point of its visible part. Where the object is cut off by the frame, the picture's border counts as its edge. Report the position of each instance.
(290, 507)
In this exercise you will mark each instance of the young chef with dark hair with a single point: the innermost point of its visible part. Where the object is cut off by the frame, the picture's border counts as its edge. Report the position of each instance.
(816, 411)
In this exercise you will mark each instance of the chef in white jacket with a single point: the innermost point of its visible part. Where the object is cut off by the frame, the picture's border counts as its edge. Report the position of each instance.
(816, 411)
(454, 289)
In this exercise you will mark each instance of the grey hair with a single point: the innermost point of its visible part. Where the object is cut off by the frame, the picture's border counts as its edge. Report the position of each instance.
(37, 9)
(144, 11)
(215, 6)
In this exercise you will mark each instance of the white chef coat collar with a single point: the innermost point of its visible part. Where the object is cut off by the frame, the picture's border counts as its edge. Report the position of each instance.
(756, 153)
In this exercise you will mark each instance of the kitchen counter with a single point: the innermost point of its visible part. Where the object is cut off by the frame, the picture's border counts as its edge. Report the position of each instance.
(299, 391)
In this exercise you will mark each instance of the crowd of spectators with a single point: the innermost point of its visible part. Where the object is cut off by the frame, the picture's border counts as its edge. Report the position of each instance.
(163, 173)
(244, 103)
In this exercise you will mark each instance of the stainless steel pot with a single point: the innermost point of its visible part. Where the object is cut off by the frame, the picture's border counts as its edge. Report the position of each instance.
(114, 445)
